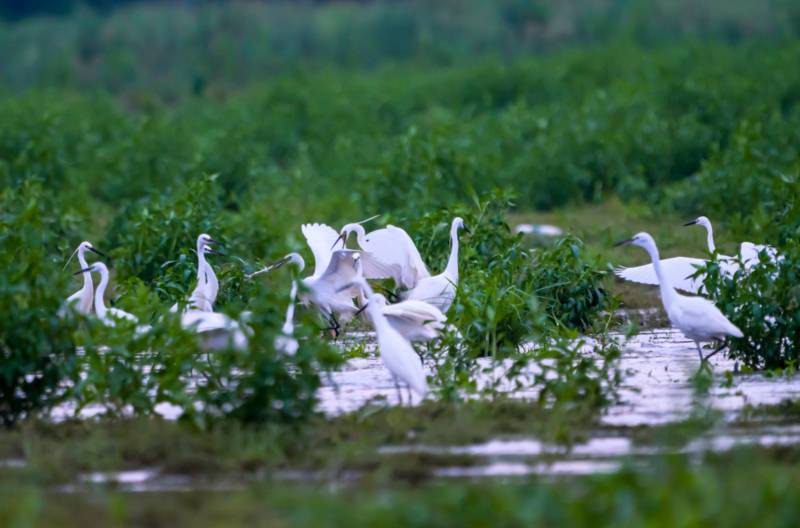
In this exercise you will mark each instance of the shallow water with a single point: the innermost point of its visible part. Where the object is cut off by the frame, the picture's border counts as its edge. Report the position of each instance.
(657, 389)
(657, 366)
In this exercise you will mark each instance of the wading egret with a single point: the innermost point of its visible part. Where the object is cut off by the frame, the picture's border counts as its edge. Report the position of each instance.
(440, 290)
(83, 298)
(219, 331)
(696, 317)
(396, 351)
(205, 292)
(387, 253)
(286, 342)
(108, 316)
(681, 269)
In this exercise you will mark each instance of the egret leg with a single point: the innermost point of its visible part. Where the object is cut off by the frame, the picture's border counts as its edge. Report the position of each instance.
(720, 348)
(699, 351)
(334, 325)
(397, 388)
(410, 396)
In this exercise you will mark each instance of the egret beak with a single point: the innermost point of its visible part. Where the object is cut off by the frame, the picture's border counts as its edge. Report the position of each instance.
(214, 252)
(278, 263)
(346, 287)
(623, 242)
(82, 271)
(96, 252)
(275, 265)
(361, 310)
(693, 222)
(343, 238)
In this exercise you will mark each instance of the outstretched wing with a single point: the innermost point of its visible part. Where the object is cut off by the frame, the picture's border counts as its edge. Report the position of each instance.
(392, 253)
(418, 312)
(750, 253)
(342, 269)
(320, 238)
(679, 270)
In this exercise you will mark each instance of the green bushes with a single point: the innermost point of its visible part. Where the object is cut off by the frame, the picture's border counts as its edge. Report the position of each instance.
(763, 299)
(36, 345)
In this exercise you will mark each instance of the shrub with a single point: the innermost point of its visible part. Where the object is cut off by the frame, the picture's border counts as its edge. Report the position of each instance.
(36, 345)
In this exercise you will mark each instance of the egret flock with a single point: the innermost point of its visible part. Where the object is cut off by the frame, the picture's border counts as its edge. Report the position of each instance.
(339, 289)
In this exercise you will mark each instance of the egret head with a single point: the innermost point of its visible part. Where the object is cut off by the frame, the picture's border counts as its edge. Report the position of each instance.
(700, 220)
(97, 266)
(378, 299)
(458, 223)
(81, 250)
(293, 258)
(208, 250)
(344, 234)
(205, 240)
(643, 240)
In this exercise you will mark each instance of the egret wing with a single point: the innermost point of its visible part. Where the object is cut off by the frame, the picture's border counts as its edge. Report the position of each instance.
(342, 269)
(417, 311)
(679, 270)
(699, 316)
(320, 238)
(401, 359)
(397, 254)
(750, 253)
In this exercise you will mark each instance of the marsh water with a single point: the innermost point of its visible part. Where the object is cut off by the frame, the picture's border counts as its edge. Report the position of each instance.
(657, 389)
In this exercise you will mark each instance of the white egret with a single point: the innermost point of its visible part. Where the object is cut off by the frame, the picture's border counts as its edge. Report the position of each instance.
(205, 292)
(681, 269)
(219, 331)
(83, 298)
(332, 270)
(415, 320)
(396, 351)
(387, 253)
(286, 342)
(696, 317)
(109, 316)
(440, 290)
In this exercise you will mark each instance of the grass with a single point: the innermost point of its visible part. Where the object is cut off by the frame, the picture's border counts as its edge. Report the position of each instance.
(57, 452)
(670, 491)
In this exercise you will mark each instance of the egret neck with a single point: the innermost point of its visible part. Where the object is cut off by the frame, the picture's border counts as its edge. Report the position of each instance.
(668, 293)
(451, 271)
(99, 304)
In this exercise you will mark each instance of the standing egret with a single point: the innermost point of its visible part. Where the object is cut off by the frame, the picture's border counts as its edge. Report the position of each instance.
(681, 270)
(286, 342)
(396, 351)
(696, 317)
(440, 290)
(387, 253)
(109, 316)
(205, 292)
(82, 299)
(219, 331)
